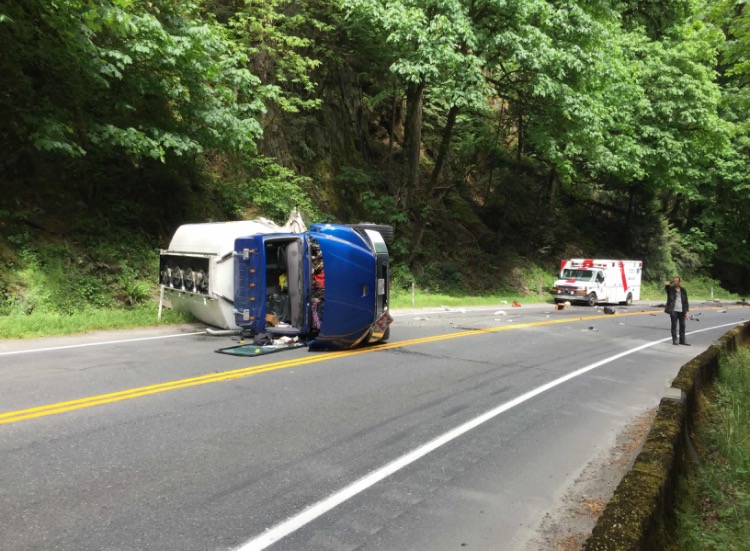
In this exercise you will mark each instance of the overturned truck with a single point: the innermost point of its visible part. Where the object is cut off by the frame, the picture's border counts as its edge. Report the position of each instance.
(329, 285)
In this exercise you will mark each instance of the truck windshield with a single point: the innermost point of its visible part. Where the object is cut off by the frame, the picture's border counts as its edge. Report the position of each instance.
(580, 275)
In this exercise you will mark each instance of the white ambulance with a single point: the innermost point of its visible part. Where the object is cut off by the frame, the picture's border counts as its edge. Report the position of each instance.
(592, 280)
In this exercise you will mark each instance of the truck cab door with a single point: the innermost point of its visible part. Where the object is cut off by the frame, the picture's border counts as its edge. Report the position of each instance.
(249, 283)
(271, 283)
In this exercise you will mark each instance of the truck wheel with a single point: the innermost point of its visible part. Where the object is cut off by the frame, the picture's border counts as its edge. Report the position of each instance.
(591, 299)
(383, 229)
(386, 335)
(628, 300)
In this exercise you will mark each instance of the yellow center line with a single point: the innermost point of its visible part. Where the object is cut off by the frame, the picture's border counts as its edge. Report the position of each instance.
(128, 394)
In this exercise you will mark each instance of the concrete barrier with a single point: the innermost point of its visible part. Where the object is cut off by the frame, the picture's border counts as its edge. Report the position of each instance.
(641, 512)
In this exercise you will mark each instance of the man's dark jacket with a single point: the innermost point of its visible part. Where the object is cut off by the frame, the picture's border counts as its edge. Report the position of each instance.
(671, 295)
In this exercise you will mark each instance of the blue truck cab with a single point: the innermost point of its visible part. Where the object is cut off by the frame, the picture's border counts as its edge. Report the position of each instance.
(329, 285)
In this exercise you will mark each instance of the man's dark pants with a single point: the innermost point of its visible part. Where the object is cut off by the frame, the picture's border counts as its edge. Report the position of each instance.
(678, 317)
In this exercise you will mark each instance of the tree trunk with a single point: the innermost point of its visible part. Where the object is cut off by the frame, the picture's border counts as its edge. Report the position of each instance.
(627, 233)
(417, 243)
(412, 141)
(444, 145)
(393, 126)
(492, 159)
(553, 180)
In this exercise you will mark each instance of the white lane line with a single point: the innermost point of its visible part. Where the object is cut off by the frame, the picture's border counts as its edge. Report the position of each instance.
(53, 348)
(275, 533)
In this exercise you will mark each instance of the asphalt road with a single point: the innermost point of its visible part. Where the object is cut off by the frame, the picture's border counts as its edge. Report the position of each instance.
(461, 433)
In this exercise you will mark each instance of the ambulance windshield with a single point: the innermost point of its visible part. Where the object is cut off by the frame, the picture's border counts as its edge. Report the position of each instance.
(580, 275)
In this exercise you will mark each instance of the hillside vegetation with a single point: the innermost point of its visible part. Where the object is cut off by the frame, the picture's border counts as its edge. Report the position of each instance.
(497, 136)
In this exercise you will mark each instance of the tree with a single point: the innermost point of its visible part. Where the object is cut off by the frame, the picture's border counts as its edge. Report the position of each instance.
(430, 47)
(113, 80)
(727, 215)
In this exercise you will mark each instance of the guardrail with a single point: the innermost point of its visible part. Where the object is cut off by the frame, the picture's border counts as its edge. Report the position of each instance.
(641, 509)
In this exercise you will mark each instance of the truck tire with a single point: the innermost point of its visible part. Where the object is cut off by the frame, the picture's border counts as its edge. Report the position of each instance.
(628, 300)
(386, 335)
(591, 299)
(383, 229)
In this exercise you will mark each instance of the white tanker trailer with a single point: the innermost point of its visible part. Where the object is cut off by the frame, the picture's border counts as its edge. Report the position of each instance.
(198, 269)
(329, 284)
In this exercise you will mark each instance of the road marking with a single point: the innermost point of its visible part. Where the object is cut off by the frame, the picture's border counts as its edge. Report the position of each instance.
(129, 394)
(279, 531)
(54, 348)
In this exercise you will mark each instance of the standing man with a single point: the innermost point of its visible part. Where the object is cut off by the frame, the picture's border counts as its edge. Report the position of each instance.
(677, 308)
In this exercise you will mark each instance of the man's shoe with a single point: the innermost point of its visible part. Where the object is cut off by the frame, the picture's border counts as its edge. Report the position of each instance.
(683, 343)
(674, 342)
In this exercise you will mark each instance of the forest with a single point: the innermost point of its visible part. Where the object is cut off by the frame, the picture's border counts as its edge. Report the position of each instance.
(496, 136)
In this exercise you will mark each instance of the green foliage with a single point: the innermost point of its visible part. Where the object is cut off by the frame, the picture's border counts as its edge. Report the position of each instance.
(714, 502)
(529, 130)
(692, 251)
(401, 278)
(46, 324)
(134, 291)
(657, 242)
(275, 190)
(282, 40)
(145, 79)
(430, 299)
(727, 215)
(546, 59)
(431, 50)
(64, 277)
(707, 288)
(700, 289)
(657, 17)
(428, 42)
(382, 209)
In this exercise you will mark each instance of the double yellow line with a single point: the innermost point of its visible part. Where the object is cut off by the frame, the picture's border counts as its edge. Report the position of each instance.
(81, 403)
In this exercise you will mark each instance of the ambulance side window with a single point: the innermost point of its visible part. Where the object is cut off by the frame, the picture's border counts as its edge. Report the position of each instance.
(600, 277)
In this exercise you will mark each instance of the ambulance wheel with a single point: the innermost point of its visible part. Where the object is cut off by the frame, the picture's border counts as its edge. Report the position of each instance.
(628, 300)
(591, 299)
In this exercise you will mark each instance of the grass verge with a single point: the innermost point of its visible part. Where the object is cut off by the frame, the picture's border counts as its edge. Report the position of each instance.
(699, 289)
(713, 501)
(425, 299)
(45, 324)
